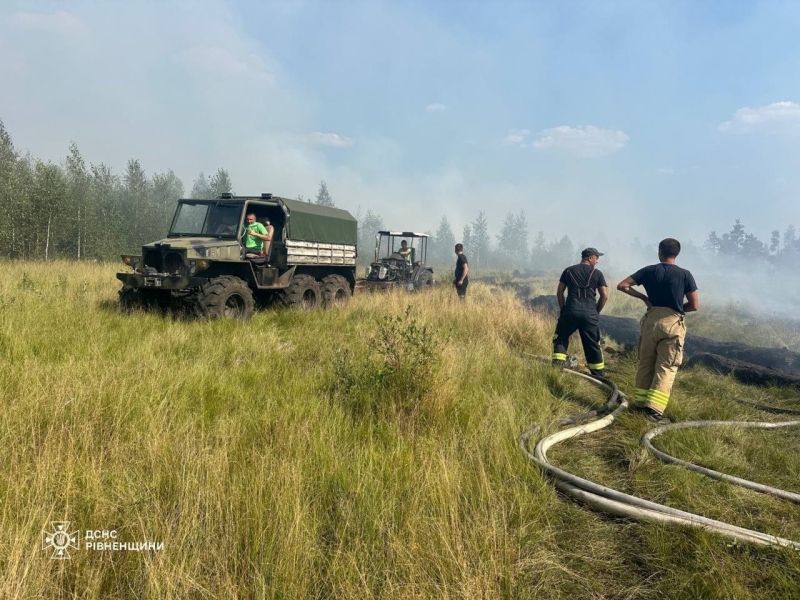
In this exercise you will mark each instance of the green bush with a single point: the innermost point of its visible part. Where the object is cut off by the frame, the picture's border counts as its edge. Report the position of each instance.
(398, 368)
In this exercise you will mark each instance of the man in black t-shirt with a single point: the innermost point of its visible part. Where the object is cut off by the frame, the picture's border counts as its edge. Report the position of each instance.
(581, 311)
(662, 328)
(461, 280)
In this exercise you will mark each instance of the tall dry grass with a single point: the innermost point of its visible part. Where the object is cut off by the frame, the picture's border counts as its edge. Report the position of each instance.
(368, 451)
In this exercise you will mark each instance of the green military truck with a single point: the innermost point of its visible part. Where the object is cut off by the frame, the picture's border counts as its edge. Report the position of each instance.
(201, 265)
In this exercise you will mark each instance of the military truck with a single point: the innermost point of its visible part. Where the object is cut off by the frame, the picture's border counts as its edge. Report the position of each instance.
(201, 265)
(391, 268)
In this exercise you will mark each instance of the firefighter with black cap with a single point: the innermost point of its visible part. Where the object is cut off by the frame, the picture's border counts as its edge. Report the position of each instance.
(580, 311)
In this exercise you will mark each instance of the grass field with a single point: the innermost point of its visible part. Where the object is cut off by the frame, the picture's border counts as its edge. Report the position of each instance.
(369, 451)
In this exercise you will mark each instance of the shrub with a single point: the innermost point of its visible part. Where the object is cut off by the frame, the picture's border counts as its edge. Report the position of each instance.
(400, 368)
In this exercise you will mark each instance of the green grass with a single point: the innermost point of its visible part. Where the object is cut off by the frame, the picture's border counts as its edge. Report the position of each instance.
(357, 452)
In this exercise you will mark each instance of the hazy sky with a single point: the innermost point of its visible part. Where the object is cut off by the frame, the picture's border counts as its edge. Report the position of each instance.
(640, 119)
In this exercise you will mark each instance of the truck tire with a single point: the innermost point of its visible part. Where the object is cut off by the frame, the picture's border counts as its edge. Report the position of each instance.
(335, 291)
(225, 297)
(302, 292)
(424, 281)
(130, 299)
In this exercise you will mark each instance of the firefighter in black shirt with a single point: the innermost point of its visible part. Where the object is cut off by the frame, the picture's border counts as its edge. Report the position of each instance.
(662, 329)
(581, 311)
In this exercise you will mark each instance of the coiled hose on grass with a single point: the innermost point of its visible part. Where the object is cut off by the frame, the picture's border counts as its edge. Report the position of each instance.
(625, 505)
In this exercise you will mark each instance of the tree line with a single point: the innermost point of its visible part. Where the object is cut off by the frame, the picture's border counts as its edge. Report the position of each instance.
(79, 211)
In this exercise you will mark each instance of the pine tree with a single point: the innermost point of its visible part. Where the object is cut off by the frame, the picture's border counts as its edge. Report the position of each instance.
(167, 189)
(561, 253)
(789, 238)
(507, 241)
(106, 194)
(481, 242)
(368, 227)
(466, 238)
(775, 242)
(76, 223)
(520, 247)
(50, 188)
(713, 242)
(10, 198)
(135, 207)
(220, 184)
(201, 188)
(323, 197)
(445, 241)
(539, 251)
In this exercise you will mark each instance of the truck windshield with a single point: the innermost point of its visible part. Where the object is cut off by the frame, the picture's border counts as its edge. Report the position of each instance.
(202, 218)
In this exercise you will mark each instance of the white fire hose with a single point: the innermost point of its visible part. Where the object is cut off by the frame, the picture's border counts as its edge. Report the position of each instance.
(625, 505)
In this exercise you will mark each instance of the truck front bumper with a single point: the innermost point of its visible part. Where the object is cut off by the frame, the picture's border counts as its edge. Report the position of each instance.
(161, 281)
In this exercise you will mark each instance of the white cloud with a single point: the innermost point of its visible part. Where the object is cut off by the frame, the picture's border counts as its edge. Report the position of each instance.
(665, 170)
(60, 22)
(331, 139)
(778, 117)
(436, 106)
(516, 136)
(222, 61)
(588, 141)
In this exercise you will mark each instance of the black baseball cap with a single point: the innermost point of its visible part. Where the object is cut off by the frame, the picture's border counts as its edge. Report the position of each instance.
(590, 252)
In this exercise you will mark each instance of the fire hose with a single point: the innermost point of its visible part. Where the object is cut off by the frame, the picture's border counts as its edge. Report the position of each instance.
(626, 505)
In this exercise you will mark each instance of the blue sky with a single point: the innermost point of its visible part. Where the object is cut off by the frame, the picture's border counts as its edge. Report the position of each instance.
(638, 119)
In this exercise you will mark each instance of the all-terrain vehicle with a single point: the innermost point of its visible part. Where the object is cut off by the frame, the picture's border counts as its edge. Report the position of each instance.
(400, 258)
(202, 264)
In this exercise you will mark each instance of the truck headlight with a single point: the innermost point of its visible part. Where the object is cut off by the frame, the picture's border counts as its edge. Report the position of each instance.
(382, 272)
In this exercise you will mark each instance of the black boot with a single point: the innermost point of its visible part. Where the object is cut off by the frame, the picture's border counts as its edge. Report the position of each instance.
(656, 417)
(598, 373)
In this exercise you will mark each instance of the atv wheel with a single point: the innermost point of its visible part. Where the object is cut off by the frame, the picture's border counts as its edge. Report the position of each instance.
(225, 297)
(335, 291)
(424, 281)
(303, 292)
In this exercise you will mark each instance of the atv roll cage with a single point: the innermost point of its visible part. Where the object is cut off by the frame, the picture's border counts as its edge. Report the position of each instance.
(388, 244)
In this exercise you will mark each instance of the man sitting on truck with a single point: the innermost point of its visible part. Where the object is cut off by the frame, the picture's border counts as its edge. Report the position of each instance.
(254, 237)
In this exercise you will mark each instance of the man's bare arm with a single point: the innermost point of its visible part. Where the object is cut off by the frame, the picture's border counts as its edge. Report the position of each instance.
(624, 286)
(601, 302)
(693, 302)
(560, 294)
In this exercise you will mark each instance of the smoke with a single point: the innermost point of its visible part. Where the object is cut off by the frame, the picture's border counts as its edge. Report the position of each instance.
(758, 286)
(381, 101)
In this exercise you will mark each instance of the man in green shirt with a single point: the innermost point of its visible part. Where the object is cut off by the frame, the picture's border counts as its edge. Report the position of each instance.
(254, 236)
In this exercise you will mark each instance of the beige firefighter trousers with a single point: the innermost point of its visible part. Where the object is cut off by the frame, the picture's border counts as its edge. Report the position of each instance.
(660, 354)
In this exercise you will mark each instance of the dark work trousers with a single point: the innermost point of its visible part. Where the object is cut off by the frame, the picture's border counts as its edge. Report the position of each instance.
(461, 290)
(587, 323)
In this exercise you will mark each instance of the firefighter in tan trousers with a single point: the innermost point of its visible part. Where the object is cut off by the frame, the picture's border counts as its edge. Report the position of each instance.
(662, 328)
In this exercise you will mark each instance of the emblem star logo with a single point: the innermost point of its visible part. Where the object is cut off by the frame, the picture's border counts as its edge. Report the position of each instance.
(60, 539)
